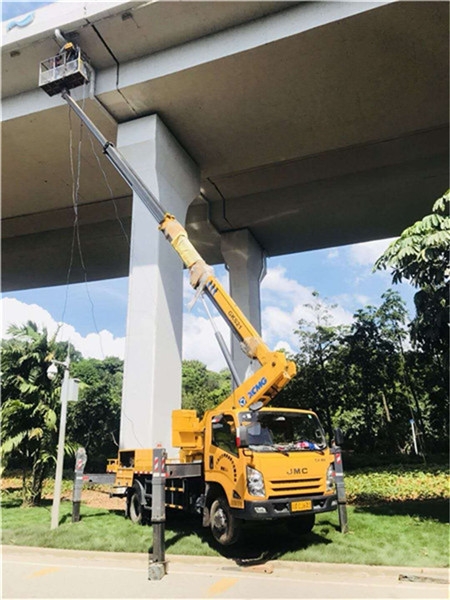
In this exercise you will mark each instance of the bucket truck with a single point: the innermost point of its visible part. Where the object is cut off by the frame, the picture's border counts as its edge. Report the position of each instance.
(242, 460)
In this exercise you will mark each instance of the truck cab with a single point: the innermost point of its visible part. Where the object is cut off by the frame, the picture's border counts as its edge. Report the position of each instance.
(273, 463)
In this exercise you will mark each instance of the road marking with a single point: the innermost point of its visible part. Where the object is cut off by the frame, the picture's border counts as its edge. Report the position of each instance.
(67, 566)
(278, 576)
(46, 571)
(221, 585)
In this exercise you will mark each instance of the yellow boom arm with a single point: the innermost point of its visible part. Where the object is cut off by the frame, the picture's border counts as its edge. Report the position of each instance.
(275, 369)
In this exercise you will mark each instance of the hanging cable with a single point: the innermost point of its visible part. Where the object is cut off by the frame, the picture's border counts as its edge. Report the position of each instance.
(116, 210)
(76, 237)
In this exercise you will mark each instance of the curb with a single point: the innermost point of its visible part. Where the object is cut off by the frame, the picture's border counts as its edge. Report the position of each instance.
(407, 573)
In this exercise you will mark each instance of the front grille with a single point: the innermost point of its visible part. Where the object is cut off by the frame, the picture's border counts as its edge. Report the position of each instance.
(294, 487)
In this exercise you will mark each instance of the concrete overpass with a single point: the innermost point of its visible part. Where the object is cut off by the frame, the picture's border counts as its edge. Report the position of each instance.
(291, 126)
(325, 121)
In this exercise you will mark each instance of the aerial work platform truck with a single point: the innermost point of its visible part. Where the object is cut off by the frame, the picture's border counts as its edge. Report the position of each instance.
(242, 460)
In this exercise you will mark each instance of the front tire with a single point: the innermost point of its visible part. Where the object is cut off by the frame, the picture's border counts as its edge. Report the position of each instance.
(225, 528)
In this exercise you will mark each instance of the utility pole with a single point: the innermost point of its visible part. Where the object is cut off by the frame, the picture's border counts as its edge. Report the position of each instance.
(69, 388)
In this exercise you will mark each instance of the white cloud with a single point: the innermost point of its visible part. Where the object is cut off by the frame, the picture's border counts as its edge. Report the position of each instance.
(333, 254)
(15, 312)
(283, 305)
(283, 345)
(277, 284)
(283, 300)
(361, 299)
(94, 345)
(367, 253)
(199, 341)
(350, 301)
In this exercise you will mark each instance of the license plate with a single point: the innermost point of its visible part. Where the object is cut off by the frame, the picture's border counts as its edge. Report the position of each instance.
(302, 505)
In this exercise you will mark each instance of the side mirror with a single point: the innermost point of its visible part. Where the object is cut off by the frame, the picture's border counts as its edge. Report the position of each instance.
(242, 436)
(338, 436)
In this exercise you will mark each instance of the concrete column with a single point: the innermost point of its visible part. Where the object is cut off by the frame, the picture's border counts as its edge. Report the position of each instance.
(246, 264)
(152, 372)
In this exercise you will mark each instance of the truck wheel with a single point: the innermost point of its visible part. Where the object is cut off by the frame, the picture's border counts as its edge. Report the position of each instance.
(135, 508)
(301, 525)
(224, 526)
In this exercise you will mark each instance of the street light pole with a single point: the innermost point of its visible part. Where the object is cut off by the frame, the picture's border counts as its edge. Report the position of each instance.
(61, 444)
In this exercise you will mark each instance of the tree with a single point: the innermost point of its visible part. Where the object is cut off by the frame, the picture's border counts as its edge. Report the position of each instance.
(30, 405)
(94, 420)
(318, 384)
(360, 377)
(375, 367)
(420, 256)
(203, 389)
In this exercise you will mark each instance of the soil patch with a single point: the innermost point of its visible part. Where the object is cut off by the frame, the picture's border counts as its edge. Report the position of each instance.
(94, 495)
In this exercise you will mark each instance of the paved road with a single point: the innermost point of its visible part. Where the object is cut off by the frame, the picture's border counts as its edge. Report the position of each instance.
(48, 573)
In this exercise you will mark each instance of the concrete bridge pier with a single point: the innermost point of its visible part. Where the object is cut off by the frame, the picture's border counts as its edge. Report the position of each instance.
(152, 372)
(246, 265)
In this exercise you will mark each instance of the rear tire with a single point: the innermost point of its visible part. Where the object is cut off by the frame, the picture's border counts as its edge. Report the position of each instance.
(301, 525)
(225, 528)
(135, 509)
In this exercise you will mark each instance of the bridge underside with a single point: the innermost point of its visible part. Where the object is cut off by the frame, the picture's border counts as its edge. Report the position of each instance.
(334, 134)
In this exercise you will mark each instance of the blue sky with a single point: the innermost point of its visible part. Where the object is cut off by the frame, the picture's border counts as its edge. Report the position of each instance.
(94, 314)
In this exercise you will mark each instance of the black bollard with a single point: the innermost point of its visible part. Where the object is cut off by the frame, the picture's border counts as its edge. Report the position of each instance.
(157, 560)
(340, 489)
(80, 463)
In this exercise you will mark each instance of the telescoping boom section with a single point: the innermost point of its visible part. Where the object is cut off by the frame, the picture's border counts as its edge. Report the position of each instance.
(275, 370)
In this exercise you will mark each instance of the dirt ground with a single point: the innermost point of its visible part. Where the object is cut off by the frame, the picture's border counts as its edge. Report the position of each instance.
(96, 495)
(99, 498)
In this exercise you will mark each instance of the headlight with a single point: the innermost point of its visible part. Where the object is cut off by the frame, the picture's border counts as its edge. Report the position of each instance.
(255, 482)
(331, 478)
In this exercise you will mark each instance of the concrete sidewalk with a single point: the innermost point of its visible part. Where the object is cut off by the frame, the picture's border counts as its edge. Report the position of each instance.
(49, 573)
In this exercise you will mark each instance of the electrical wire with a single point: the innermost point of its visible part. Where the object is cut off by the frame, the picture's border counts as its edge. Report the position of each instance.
(105, 177)
(76, 237)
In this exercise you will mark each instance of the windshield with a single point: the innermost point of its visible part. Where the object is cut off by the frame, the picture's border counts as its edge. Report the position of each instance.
(282, 431)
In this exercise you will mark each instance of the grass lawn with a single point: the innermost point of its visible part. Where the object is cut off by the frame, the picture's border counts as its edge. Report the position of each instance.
(408, 533)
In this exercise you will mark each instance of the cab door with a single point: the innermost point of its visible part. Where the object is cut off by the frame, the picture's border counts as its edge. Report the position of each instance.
(223, 463)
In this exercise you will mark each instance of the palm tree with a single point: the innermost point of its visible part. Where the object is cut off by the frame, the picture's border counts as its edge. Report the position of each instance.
(30, 402)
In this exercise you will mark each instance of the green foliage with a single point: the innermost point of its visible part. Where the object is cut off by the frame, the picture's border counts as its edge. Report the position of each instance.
(420, 256)
(94, 421)
(30, 406)
(317, 385)
(366, 380)
(203, 389)
(397, 483)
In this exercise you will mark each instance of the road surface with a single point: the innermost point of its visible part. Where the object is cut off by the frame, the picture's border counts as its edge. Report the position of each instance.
(48, 573)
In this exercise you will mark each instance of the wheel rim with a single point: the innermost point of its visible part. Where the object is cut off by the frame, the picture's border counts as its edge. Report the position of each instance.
(220, 520)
